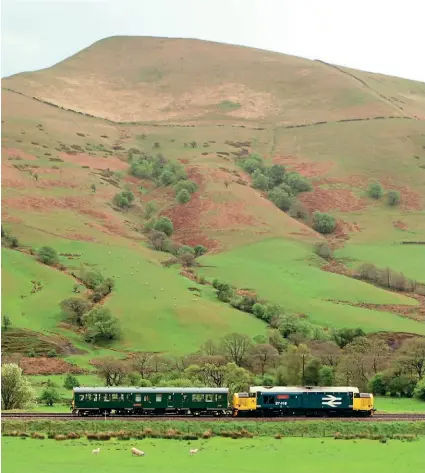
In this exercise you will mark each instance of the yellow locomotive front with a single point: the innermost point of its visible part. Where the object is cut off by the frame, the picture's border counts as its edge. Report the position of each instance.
(363, 403)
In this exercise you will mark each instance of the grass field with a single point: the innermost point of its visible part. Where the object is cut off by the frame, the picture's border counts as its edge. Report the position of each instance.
(399, 405)
(224, 455)
(284, 272)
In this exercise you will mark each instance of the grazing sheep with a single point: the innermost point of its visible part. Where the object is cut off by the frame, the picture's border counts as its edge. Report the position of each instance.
(192, 451)
(96, 451)
(138, 453)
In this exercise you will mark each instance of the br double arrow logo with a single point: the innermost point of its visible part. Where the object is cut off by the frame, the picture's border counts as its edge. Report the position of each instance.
(331, 401)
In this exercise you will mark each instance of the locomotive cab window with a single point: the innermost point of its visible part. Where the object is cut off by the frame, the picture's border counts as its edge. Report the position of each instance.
(269, 400)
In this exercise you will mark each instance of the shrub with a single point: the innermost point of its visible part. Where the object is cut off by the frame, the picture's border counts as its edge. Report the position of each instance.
(419, 391)
(166, 178)
(298, 210)
(70, 382)
(200, 250)
(260, 181)
(297, 182)
(75, 308)
(183, 196)
(323, 250)
(186, 249)
(375, 190)
(123, 200)
(150, 209)
(323, 222)
(186, 184)
(275, 174)
(48, 255)
(92, 279)
(60, 437)
(52, 353)
(73, 436)
(259, 310)
(393, 198)
(49, 396)
(280, 198)
(158, 240)
(187, 259)
(100, 324)
(164, 224)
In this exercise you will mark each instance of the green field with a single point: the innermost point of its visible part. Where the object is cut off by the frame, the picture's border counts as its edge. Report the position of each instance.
(285, 272)
(399, 405)
(224, 455)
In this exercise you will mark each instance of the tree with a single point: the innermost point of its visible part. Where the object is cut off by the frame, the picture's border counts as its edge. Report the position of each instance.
(312, 372)
(235, 347)
(167, 177)
(187, 259)
(6, 322)
(275, 173)
(93, 188)
(164, 224)
(344, 336)
(16, 390)
(75, 308)
(158, 240)
(183, 196)
(123, 199)
(100, 325)
(112, 371)
(262, 357)
(236, 379)
(260, 181)
(375, 190)
(393, 198)
(186, 184)
(200, 250)
(378, 384)
(298, 210)
(48, 255)
(225, 291)
(323, 222)
(259, 310)
(323, 250)
(49, 396)
(297, 182)
(276, 340)
(420, 390)
(326, 376)
(141, 364)
(150, 209)
(412, 359)
(280, 198)
(294, 363)
(70, 381)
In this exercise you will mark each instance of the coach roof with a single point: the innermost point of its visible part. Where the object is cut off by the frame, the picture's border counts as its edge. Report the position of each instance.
(159, 390)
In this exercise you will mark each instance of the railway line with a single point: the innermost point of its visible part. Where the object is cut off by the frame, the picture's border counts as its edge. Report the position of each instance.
(135, 418)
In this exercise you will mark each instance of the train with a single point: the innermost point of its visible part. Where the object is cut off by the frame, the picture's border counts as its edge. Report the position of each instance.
(258, 401)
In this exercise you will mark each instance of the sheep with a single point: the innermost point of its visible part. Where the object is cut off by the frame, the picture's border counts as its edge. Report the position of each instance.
(192, 451)
(96, 451)
(138, 453)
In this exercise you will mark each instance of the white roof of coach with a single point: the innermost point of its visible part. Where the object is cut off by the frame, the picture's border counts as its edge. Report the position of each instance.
(300, 389)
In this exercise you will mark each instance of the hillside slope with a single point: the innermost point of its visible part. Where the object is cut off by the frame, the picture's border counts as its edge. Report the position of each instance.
(206, 106)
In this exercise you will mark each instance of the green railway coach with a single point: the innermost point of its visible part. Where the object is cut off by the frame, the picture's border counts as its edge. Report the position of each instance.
(157, 400)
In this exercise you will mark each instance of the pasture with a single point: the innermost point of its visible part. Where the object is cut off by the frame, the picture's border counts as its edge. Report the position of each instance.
(217, 455)
(286, 272)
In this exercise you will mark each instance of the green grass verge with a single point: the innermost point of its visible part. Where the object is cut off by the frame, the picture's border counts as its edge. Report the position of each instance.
(218, 454)
(285, 272)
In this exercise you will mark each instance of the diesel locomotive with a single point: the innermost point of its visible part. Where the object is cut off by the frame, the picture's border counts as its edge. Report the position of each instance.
(259, 401)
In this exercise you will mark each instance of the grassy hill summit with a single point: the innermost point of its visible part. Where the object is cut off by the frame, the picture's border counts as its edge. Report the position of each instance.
(172, 191)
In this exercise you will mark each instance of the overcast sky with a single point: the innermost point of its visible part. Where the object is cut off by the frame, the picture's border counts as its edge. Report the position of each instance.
(384, 36)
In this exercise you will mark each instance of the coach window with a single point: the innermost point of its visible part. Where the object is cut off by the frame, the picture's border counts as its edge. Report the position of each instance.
(106, 398)
(114, 396)
(95, 397)
(82, 397)
(139, 397)
(89, 397)
(198, 397)
(209, 398)
(146, 398)
(158, 397)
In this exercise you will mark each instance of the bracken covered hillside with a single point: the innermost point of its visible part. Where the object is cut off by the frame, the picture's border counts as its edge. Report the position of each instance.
(114, 117)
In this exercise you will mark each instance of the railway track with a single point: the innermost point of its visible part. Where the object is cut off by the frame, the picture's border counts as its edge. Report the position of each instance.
(71, 417)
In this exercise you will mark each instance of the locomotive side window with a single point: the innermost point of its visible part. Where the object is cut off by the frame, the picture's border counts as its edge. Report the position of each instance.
(269, 400)
(139, 397)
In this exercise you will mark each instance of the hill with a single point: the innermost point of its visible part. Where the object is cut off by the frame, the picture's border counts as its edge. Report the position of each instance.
(72, 132)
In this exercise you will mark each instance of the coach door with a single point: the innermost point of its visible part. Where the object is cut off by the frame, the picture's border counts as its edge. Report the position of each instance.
(170, 399)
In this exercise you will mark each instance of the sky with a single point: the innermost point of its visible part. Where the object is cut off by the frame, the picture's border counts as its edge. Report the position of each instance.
(374, 35)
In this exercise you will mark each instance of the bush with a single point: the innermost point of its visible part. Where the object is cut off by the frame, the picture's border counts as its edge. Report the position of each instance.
(124, 199)
(186, 249)
(91, 279)
(48, 255)
(323, 250)
(393, 198)
(225, 291)
(297, 182)
(186, 184)
(164, 224)
(280, 198)
(100, 325)
(260, 181)
(71, 382)
(375, 190)
(259, 310)
(200, 250)
(75, 308)
(150, 209)
(323, 222)
(420, 390)
(159, 240)
(183, 196)
(275, 174)
(49, 396)
(298, 210)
